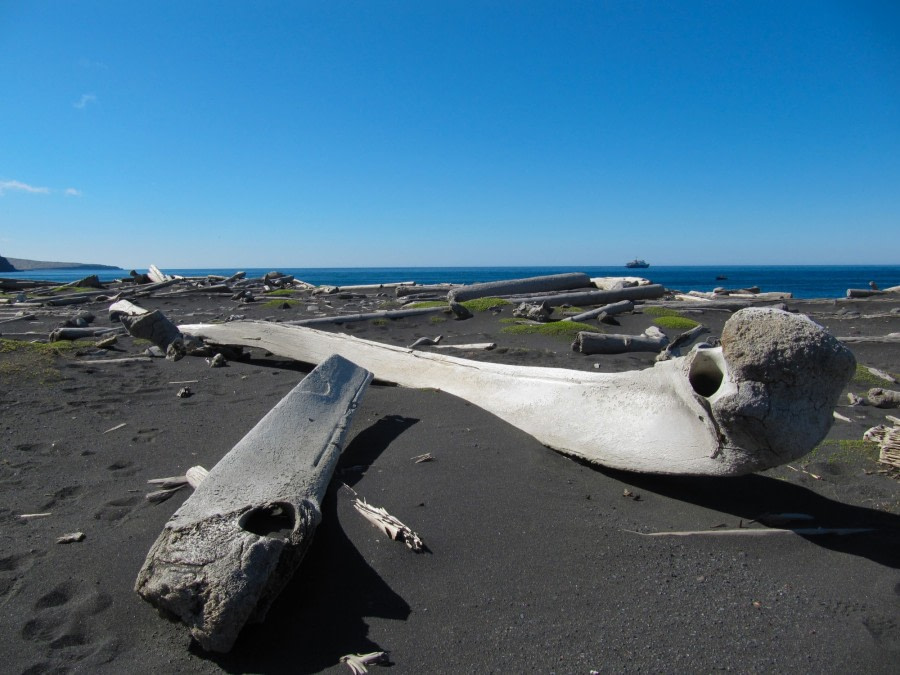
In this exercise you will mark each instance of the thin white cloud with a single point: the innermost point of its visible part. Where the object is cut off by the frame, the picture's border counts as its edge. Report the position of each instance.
(84, 101)
(72, 192)
(88, 63)
(18, 186)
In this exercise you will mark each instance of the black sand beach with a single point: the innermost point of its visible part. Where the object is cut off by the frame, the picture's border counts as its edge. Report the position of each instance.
(534, 562)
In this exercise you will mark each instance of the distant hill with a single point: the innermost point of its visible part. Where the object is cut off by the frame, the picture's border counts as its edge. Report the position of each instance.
(22, 265)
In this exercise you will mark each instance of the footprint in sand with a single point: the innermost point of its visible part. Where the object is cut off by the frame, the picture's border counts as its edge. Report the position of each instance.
(63, 622)
(117, 509)
(146, 435)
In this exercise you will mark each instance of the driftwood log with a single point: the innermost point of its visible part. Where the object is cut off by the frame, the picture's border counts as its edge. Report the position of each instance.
(608, 310)
(722, 411)
(611, 343)
(650, 292)
(553, 282)
(367, 316)
(228, 551)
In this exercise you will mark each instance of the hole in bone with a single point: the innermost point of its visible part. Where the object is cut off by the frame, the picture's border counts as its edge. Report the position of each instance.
(705, 375)
(271, 520)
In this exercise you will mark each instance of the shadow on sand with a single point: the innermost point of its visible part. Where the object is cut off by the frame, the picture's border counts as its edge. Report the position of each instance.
(751, 497)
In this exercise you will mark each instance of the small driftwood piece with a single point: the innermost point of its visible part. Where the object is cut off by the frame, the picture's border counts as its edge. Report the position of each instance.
(651, 292)
(889, 338)
(403, 291)
(228, 551)
(358, 663)
(79, 333)
(722, 411)
(347, 318)
(609, 310)
(883, 398)
(612, 343)
(392, 527)
(553, 282)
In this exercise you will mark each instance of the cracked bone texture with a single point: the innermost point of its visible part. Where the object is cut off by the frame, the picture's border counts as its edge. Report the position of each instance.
(228, 551)
(786, 373)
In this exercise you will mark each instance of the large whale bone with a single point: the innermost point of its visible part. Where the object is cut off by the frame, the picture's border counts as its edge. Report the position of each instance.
(765, 397)
(229, 550)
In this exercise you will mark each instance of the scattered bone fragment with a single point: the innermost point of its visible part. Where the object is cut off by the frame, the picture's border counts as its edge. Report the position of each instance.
(29, 516)
(426, 342)
(721, 411)
(385, 522)
(839, 416)
(358, 663)
(674, 348)
(855, 400)
(231, 547)
(184, 392)
(115, 428)
(78, 333)
(426, 457)
(217, 361)
(70, 538)
(107, 342)
(888, 439)
(883, 398)
(481, 346)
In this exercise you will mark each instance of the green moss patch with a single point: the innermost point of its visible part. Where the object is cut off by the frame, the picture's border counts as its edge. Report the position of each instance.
(845, 451)
(279, 303)
(35, 360)
(675, 322)
(562, 329)
(661, 311)
(282, 293)
(484, 304)
(864, 378)
(426, 304)
(379, 322)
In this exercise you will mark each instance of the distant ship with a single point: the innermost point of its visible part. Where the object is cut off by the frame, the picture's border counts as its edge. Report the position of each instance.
(637, 264)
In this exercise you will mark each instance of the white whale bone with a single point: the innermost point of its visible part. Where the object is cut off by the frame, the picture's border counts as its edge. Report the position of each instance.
(762, 399)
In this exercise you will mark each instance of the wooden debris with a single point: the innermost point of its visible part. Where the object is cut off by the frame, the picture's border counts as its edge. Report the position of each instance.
(553, 282)
(608, 310)
(231, 547)
(427, 457)
(29, 516)
(358, 663)
(611, 343)
(392, 527)
(118, 426)
(367, 316)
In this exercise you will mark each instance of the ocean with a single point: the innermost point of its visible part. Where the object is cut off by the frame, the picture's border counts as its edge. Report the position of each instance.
(806, 281)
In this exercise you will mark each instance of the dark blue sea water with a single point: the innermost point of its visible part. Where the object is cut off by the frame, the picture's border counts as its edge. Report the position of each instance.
(812, 281)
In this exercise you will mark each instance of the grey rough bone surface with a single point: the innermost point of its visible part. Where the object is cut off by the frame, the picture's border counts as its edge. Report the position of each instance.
(228, 551)
(764, 398)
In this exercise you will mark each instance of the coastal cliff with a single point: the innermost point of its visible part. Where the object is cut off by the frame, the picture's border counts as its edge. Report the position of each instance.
(24, 265)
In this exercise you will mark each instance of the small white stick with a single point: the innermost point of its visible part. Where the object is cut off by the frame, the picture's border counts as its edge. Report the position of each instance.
(118, 426)
(26, 516)
(358, 662)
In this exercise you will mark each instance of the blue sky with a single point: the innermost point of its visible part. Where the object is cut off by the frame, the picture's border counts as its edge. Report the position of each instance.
(308, 134)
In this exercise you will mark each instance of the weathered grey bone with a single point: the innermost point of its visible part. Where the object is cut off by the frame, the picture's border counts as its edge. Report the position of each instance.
(762, 399)
(232, 546)
(884, 398)
(157, 328)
